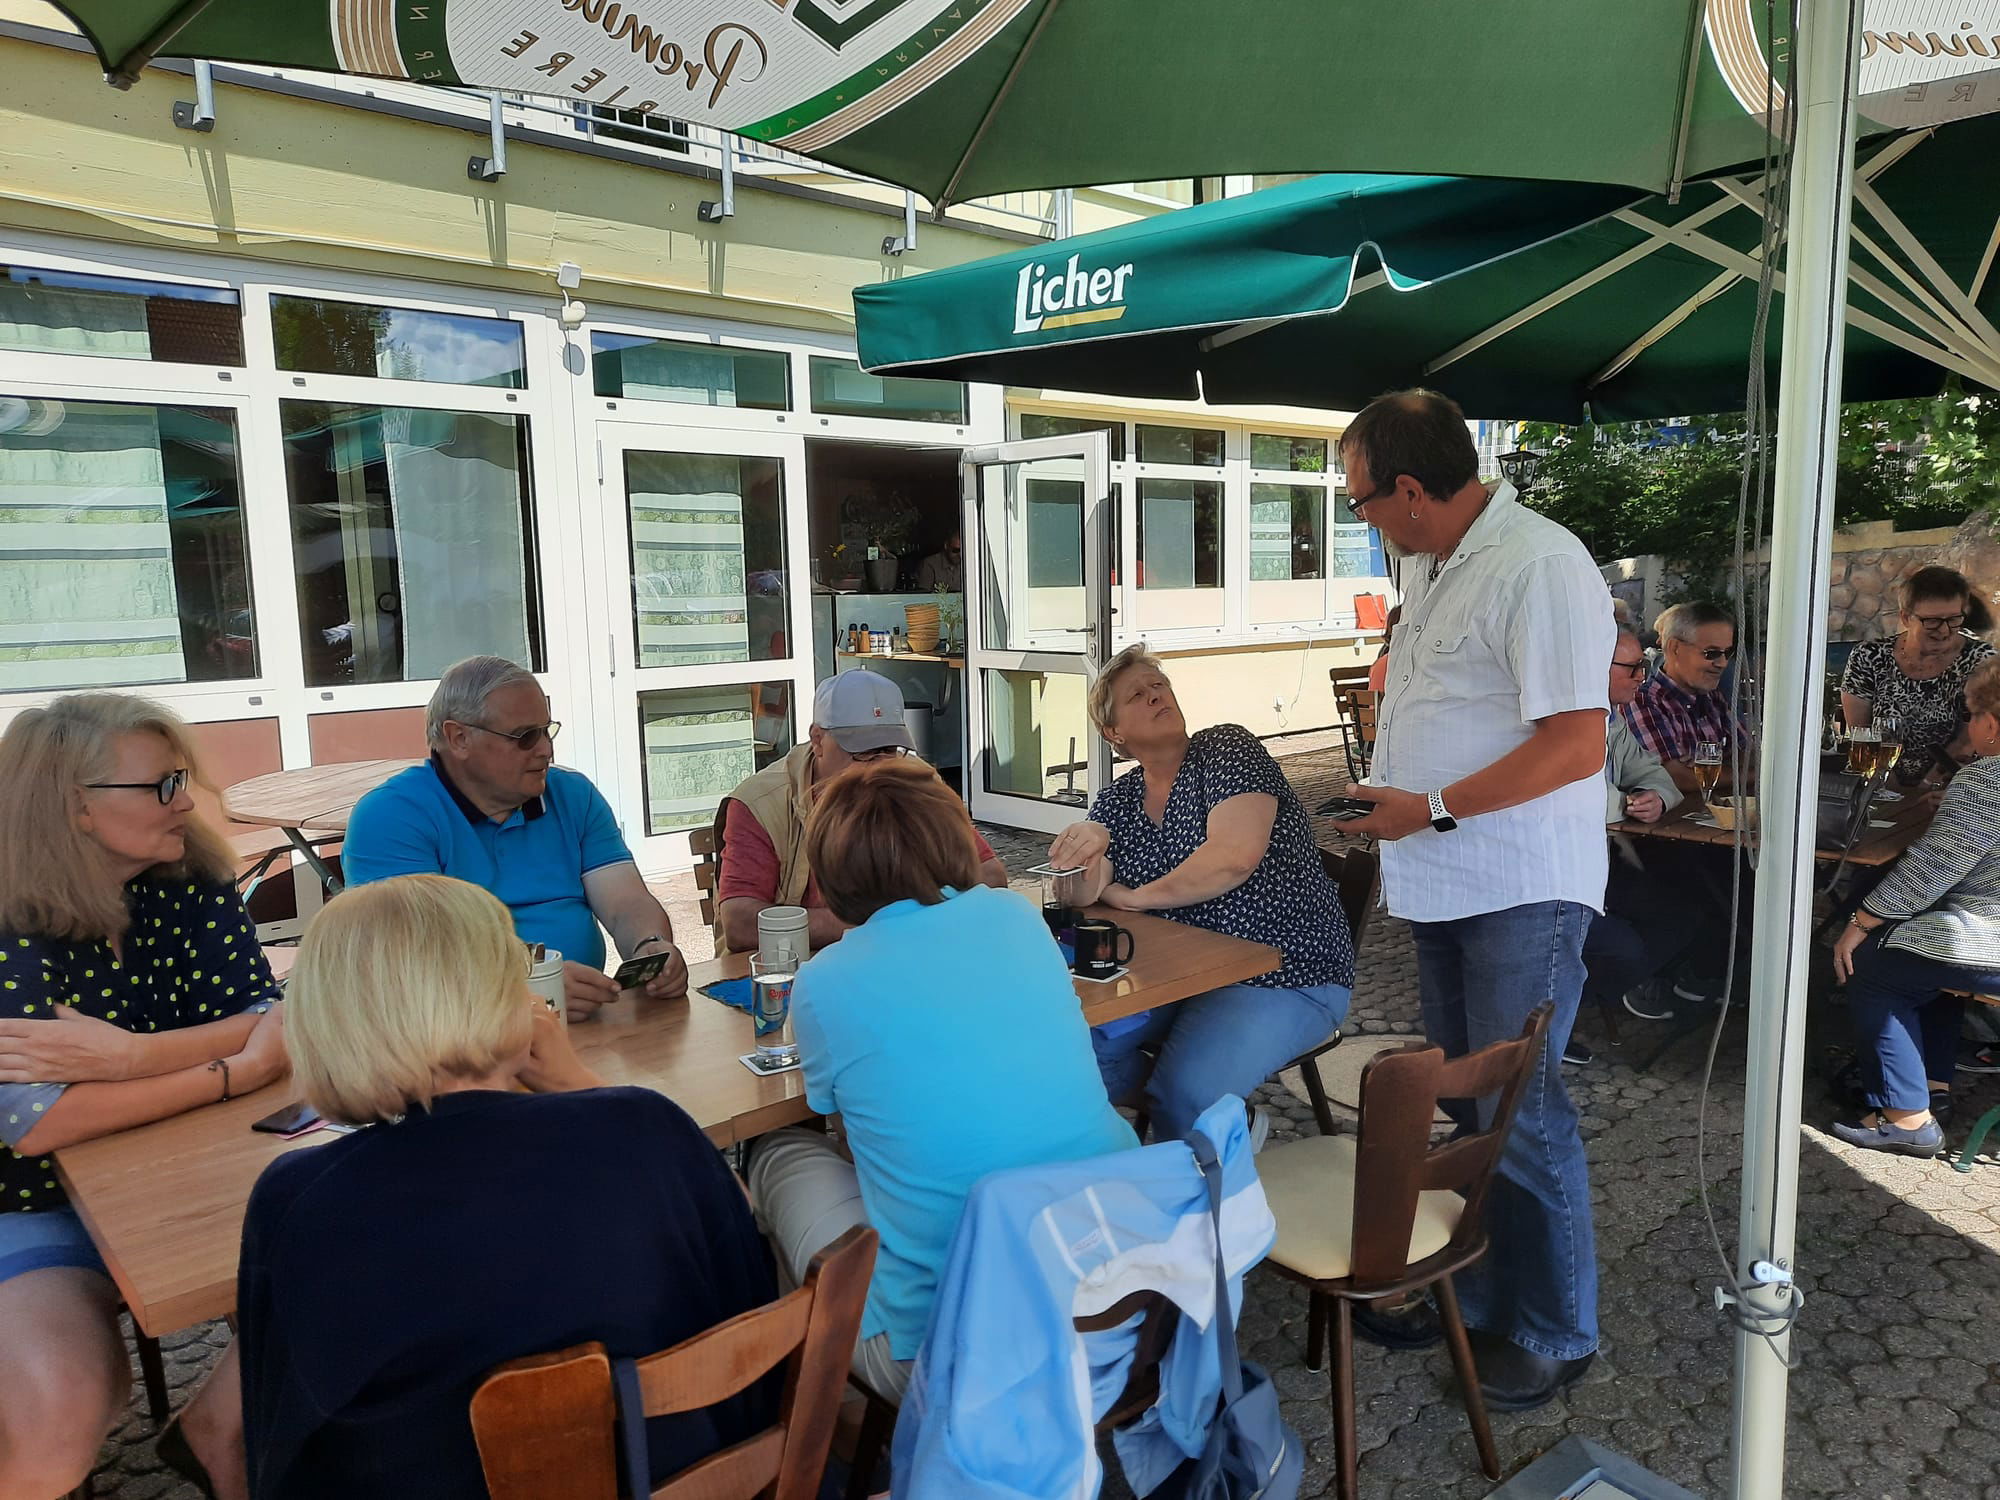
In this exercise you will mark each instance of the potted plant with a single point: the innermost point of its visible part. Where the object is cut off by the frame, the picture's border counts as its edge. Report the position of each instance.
(890, 530)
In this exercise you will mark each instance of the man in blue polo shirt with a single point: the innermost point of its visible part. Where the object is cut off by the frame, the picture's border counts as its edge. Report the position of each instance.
(490, 808)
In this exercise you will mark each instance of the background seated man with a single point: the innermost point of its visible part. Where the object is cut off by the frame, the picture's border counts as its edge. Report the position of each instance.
(492, 808)
(1682, 704)
(857, 717)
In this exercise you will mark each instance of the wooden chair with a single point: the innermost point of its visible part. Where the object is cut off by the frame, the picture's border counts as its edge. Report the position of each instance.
(1417, 1231)
(1359, 709)
(706, 843)
(546, 1426)
(1142, 1382)
(1344, 678)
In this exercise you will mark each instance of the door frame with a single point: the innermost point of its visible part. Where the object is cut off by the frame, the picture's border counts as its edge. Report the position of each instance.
(1038, 652)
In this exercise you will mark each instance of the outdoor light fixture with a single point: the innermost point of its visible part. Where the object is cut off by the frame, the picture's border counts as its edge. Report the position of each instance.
(1519, 467)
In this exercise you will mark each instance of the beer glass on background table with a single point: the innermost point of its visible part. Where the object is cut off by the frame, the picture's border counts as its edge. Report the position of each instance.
(1708, 769)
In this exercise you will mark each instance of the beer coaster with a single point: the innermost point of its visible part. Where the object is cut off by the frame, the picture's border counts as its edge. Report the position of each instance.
(1118, 973)
(763, 1067)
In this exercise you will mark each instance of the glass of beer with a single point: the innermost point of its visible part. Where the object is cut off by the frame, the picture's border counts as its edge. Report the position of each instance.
(1889, 730)
(1708, 768)
(1864, 748)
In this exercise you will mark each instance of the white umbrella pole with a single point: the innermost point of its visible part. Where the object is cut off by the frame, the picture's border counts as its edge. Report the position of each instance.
(1801, 548)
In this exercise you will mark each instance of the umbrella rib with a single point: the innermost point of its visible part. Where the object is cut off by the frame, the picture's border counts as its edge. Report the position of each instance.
(1575, 288)
(125, 72)
(1920, 256)
(1948, 317)
(992, 108)
(1661, 329)
(1986, 262)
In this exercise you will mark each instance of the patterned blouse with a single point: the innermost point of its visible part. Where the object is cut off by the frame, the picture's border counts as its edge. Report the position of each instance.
(1287, 902)
(191, 957)
(1931, 710)
(1944, 893)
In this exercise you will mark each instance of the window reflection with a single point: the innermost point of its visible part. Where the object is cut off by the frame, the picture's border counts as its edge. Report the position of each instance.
(325, 337)
(114, 317)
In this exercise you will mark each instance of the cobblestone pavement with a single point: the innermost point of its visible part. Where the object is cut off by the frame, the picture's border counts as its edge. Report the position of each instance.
(1898, 1388)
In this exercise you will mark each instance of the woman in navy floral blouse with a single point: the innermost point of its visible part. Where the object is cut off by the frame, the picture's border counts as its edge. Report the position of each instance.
(1207, 831)
(132, 988)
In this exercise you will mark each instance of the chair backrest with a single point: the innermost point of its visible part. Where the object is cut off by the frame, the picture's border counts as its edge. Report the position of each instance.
(706, 845)
(1394, 1157)
(546, 1425)
(1348, 677)
(1362, 706)
(1353, 875)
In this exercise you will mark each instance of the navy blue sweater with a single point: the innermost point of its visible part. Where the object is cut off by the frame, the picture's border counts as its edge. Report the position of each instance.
(385, 1273)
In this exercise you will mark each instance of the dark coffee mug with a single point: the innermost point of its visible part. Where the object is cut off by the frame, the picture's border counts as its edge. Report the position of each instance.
(1060, 918)
(1097, 954)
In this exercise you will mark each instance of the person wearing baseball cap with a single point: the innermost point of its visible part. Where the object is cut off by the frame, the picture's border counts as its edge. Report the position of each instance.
(760, 827)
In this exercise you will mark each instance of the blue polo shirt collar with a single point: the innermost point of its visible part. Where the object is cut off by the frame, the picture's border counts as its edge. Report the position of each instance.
(530, 810)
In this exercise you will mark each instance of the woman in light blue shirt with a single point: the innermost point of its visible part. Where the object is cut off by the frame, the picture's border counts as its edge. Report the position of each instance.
(943, 1029)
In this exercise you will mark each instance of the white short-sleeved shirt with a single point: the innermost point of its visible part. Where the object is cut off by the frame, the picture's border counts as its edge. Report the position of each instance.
(1517, 626)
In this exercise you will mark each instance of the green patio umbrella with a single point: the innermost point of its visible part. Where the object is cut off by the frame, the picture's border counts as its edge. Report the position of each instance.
(963, 98)
(1520, 299)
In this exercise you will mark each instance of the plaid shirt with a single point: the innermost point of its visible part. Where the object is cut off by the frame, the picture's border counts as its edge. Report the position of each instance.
(1670, 721)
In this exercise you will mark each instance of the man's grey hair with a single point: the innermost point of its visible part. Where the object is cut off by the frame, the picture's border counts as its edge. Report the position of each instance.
(1683, 621)
(1626, 627)
(463, 690)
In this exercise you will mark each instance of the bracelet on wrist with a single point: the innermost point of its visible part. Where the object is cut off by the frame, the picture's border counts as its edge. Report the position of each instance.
(640, 945)
(223, 1064)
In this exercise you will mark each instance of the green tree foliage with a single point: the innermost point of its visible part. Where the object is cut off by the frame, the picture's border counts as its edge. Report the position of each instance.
(1671, 488)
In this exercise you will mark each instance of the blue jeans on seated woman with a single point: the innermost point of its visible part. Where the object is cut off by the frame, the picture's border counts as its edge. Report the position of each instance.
(1905, 1028)
(1227, 1041)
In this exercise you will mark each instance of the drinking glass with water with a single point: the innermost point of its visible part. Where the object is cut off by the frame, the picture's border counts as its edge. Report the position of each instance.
(771, 977)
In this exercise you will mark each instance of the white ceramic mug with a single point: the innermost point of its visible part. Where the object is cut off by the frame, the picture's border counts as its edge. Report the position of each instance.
(546, 980)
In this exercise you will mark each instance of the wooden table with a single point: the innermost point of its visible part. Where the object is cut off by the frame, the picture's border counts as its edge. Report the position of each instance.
(318, 799)
(164, 1202)
(1905, 820)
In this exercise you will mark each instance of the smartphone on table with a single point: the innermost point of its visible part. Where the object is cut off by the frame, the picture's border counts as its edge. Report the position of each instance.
(294, 1119)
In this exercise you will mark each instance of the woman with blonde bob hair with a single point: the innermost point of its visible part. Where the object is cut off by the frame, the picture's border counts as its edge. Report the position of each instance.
(132, 988)
(502, 1201)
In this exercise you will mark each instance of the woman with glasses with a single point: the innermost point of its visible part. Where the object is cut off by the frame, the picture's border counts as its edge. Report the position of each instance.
(1918, 674)
(132, 988)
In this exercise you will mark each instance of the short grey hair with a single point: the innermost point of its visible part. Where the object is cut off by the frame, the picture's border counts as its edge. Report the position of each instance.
(1103, 712)
(1682, 621)
(1626, 627)
(463, 690)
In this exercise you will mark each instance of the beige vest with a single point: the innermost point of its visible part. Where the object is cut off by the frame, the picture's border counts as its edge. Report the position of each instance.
(779, 797)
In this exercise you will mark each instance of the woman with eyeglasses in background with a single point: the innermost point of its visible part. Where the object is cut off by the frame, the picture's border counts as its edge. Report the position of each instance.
(1919, 673)
(132, 987)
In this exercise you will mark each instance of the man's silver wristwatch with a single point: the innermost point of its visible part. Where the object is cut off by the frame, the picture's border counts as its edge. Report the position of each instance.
(1441, 820)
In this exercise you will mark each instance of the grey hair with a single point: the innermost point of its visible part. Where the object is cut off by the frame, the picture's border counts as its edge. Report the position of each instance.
(463, 690)
(1626, 627)
(1102, 710)
(1682, 621)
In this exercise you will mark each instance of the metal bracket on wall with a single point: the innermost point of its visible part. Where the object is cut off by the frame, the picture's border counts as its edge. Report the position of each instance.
(198, 113)
(491, 167)
(715, 211)
(896, 244)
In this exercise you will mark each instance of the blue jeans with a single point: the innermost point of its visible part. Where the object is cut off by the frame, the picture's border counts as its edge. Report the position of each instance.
(1227, 1041)
(1907, 1030)
(1479, 977)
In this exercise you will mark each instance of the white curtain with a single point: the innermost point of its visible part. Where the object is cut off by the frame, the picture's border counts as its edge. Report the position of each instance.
(689, 582)
(87, 595)
(455, 490)
(67, 320)
(699, 744)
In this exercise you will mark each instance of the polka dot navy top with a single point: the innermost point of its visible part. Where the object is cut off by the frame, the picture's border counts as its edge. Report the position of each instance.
(1287, 902)
(191, 957)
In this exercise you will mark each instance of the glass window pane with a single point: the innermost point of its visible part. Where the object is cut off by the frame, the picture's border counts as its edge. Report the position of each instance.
(397, 343)
(1356, 546)
(841, 388)
(700, 742)
(1037, 736)
(1287, 531)
(122, 556)
(414, 535)
(708, 557)
(1040, 424)
(1180, 445)
(61, 312)
(644, 369)
(1302, 455)
(1180, 534)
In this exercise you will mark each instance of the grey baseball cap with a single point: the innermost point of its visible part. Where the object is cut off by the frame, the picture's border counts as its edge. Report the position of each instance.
(862, 710)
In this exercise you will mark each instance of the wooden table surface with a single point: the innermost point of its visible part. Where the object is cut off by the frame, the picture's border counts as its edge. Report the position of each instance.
(1906, 822)
(164, 1202)
(316, 797)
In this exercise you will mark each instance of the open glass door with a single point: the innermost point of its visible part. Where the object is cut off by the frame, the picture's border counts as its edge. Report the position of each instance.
(1037, 624)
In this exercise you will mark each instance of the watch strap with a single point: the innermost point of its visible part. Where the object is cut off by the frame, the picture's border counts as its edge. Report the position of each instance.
(1441, 820)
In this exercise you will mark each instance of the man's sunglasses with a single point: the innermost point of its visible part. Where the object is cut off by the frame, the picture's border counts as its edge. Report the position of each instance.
(1716, 653)
(166, 788)
(525, 739)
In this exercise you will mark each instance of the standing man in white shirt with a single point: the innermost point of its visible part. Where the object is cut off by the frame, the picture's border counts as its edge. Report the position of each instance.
(1488, 780)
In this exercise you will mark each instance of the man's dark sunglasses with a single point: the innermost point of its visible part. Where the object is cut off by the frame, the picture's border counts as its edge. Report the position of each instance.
(166, 788)
(1718, 653)
(525, 739)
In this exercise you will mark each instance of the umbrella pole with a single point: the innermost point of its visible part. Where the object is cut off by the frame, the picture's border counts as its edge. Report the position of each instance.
(1827, 39)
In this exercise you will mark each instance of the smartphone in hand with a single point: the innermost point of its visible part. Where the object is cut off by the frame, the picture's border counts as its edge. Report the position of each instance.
(642, 970)
(1345, 809)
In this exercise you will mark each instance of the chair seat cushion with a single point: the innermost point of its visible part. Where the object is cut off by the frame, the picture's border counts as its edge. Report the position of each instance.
(1310, 1186)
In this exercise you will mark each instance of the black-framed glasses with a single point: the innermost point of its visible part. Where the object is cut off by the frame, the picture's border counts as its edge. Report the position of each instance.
(1354, 503)
(1717, 653)
(166, 788)
(524, 739)
(1942, 624)
(1637, 668)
